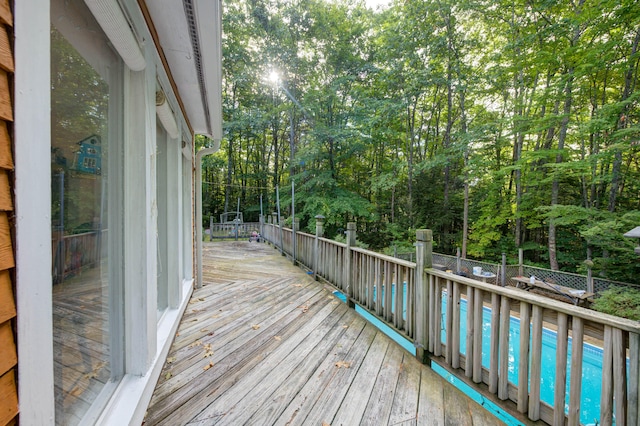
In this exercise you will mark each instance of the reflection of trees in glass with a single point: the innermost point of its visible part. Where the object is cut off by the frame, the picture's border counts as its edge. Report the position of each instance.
(79, 108)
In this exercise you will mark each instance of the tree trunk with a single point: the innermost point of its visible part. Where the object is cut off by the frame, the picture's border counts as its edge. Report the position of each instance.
(622, 123)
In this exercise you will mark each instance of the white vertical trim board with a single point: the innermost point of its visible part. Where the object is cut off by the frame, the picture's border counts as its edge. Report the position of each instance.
(174, 156)
(140, 246)
(32, 131)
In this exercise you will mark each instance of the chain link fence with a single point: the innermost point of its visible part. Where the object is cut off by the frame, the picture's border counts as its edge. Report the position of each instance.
(493, 273)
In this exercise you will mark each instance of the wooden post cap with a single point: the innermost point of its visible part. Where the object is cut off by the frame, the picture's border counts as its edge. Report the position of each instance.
(424, 235)
(351, 226)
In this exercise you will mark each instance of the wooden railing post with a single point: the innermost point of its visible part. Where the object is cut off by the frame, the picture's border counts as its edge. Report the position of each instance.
(261, 226)
(424, 259)
(295, 227)
(351, 241)
(316, 254)
(589, 264)
(520, 262)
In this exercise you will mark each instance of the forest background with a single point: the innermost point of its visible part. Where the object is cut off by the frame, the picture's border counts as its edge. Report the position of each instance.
(497, 124)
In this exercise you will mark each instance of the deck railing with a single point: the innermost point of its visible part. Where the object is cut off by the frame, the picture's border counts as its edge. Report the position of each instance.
(74, 252)
(232, 230)
(425, 305)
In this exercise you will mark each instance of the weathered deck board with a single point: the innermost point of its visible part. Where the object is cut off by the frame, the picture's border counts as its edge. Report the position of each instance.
(262, 343)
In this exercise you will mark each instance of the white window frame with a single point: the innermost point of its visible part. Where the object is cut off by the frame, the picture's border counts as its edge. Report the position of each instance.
(32, 150)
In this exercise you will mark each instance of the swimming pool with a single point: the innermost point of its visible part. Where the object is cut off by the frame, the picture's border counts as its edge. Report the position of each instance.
(591, 364)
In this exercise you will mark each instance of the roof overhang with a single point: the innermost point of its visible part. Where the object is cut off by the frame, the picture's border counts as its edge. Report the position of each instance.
(188, 35)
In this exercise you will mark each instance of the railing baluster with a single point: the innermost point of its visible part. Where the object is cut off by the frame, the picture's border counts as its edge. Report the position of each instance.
(575, 383)
(437, 314)
(561, 369)
(523, 357)
(411, 298)
(503, 374)
(388, 282)
(398, 294)
(470, 332)
(379, 276)
(619, 375)
(371, 279)
(495, 341)
(606, 397)
(455, 327)
(477, 335)
(536, 364)
(634, 372)
(449, 323)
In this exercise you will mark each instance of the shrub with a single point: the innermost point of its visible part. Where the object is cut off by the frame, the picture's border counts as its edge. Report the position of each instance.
(622, 302)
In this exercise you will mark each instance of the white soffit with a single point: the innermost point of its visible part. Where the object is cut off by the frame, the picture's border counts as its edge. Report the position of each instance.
(203, 105)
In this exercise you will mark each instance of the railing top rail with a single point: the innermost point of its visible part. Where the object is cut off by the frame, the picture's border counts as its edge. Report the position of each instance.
(544, 302)
(82, 234)
(384, 257)
(328, 240)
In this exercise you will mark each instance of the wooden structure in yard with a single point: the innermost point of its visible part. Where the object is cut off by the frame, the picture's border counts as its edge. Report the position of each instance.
(433, 305)
(8, 353)
(561, 292)
(263, 343)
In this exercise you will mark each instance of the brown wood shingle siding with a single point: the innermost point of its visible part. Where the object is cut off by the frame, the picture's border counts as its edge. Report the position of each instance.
(8, 352)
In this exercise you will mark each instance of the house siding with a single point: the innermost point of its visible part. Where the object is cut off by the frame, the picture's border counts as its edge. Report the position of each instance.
(8, 353)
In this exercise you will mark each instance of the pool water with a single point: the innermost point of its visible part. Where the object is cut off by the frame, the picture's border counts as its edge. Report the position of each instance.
(591, 363)
(591, 366)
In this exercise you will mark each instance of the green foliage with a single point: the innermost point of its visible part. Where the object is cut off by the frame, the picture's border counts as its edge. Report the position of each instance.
(388, 115)
(621, 302)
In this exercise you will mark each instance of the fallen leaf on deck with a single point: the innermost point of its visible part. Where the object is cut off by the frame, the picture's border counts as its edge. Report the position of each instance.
(297, 285)
(207, 347)
(171, 359)
(207, 354)
(76, 391)
(304, 308)
(325, 424)
(278, 338)
(215, 316)
(204, 330)
(255, 326)
(208, 366)
(345, 326)
(167, 376)
(194, 320)
(343, 364)
(335, 303)
(196, 343)
(201, 299)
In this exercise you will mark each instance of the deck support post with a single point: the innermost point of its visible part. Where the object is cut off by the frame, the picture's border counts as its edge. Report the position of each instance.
(348, 268)
(316, 254)
(424, 259)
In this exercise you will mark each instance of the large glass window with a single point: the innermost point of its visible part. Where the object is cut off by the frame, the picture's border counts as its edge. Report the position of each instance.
(85, 136)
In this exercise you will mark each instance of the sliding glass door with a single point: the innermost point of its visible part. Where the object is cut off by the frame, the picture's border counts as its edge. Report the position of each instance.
(86, 183)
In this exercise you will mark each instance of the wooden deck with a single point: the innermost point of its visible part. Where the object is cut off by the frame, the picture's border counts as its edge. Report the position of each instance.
(262, 343)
